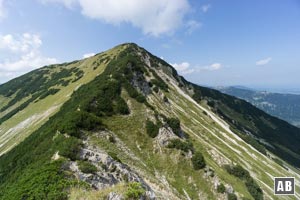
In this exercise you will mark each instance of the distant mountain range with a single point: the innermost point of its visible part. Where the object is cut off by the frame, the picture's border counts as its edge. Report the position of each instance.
(284, 106)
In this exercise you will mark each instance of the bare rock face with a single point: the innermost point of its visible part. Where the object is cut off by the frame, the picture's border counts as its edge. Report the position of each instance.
(216, 182)
(229, 188)
(139, 82)
(209, 172)
(165, 134)
(112, 171)
(114, 196)
(109, 171)
(145, 58)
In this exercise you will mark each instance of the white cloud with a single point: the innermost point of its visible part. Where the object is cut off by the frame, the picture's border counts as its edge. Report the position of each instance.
(212, 67)
(154, 17)
(205, 8)
(26, 62)
(23, 43)
(183, 68)
(264, 61)
(87, 55)
(192, 25)
(26, 53)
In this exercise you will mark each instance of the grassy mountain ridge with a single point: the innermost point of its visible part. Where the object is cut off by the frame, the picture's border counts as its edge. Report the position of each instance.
(107, 116)
(32, 107)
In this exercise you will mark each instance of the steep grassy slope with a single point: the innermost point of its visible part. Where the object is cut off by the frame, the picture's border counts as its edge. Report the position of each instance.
(278, 136)
(255, 126)
(100, 142)
(28, 101)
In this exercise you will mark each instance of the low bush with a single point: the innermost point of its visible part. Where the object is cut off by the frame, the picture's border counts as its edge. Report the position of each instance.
(254, 189)
(231, 196)
(79, 120)
(161, 84)
(134, 190)
(198, 160)
(155, 89)
(151, 129)
(87, 167)
(239, 172)
(71, 148)
(87, 121)
(221, 188)
(174, 123)
(122, 107)
(51, 91)
(140, 98)
(112, 139)
(46, 182)
(181, 145)
(166, 100)
(133, 93)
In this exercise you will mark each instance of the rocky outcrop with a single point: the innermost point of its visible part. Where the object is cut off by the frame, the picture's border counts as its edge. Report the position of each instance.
(109, 171)
(114, 196)
(139, 82)
(208, 172)
(145, 59)
(165, 134)
(210, 176)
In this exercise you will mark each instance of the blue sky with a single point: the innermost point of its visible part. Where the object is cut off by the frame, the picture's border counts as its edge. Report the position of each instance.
(253, 43)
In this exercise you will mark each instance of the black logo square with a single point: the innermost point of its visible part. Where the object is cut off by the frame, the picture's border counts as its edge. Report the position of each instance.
(284, 186)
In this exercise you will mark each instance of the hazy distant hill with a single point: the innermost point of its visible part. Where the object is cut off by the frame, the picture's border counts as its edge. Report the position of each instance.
(284, 106)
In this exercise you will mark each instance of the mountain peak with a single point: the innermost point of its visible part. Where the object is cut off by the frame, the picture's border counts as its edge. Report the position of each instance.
(124, 123)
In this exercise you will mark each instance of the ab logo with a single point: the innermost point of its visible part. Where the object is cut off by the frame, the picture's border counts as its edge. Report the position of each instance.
(284, 186)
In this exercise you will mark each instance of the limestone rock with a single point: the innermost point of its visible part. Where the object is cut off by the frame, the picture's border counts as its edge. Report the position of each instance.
(165, 134)
(109, 171)
(114, 196)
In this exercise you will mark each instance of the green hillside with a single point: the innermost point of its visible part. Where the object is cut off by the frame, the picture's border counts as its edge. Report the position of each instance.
(123, 124)
(28, 101)
(254, 125)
